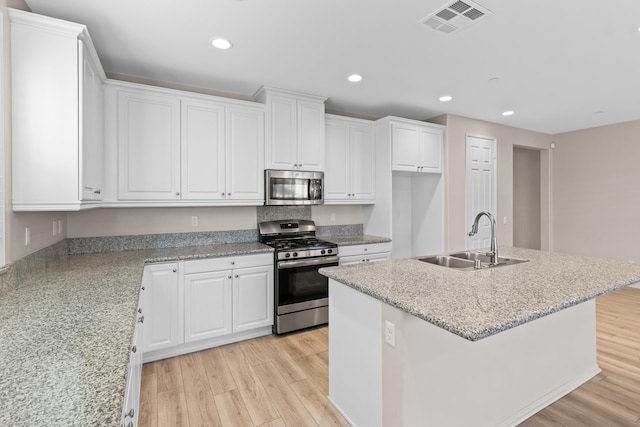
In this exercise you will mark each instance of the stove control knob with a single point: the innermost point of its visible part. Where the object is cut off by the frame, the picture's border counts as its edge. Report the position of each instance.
(287, 255)
(295, 254)
(329, 251)
(323, 251)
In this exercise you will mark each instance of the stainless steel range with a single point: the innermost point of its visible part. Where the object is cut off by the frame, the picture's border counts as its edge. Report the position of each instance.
(301, 293)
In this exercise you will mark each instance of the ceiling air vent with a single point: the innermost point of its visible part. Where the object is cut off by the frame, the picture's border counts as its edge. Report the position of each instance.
(455, 16)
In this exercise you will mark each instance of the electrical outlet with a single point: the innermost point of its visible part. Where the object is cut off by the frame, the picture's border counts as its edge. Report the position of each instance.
(55, 228)
(390, 333)
(194, 221)
(27, 236)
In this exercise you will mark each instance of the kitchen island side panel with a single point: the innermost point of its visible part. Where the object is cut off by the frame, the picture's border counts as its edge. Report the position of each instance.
(355, 356)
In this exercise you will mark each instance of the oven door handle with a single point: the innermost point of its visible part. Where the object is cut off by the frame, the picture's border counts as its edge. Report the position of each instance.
(309, 262)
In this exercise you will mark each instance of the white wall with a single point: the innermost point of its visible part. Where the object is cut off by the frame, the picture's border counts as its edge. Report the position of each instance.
(132, 221)
(596, 191)
(455, 135)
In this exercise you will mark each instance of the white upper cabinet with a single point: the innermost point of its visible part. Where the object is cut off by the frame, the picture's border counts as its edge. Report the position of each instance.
(148, 146)
(203, 151)
(245, 155)
(57, 121)
(416, 146)
(181, 149)
(294, 130)
(350, 153)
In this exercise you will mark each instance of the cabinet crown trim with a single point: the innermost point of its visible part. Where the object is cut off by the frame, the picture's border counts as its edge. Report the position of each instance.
(261, 94)
(390, 119)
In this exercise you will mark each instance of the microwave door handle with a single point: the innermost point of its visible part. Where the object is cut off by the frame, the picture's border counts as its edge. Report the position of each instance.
(312, 190)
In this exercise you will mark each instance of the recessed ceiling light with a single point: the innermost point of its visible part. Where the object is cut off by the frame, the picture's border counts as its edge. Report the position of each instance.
(354, 78)
(445, 98)
(508, 113)
(221, 43)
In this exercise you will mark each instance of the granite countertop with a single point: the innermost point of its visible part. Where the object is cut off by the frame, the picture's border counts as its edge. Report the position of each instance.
(65, 335)
(358, 239)
(480, 303)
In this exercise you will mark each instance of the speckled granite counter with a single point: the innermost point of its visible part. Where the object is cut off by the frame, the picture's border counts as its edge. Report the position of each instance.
(65, 333)
(477, 304)
(358, 239)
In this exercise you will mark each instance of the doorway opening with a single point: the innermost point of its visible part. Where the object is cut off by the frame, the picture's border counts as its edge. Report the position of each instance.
(527, 218)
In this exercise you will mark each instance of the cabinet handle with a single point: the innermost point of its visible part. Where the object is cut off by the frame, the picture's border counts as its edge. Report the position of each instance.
(134, 349)
(141, 319)
(140, 310)
(174, 270)
(129, 414)
(98, 191)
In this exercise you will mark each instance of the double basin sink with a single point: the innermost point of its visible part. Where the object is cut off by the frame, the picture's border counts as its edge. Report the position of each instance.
(469, 261)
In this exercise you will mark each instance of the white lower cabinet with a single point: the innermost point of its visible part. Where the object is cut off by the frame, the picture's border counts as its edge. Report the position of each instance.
(131, 405)
(356, 254)
(217, 301)
(163, 307)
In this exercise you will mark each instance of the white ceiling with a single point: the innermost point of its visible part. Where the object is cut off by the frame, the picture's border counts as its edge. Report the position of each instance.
(561, 65)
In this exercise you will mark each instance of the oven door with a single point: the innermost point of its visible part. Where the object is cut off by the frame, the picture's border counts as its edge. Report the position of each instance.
(299, 286)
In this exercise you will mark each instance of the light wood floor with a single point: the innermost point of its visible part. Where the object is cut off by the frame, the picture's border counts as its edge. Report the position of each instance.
(283, 381)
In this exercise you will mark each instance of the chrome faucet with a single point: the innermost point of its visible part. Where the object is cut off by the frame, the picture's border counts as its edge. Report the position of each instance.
(493, 253)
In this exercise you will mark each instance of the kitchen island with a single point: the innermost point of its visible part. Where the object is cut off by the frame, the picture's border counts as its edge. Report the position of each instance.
(483, 348)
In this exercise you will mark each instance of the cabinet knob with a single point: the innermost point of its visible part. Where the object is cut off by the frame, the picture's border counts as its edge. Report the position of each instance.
(130, 424)
(134, 349)
(222, 194)
(177, 193)
(236, 276)
(98, 191)
(140, 310)
(233, 263)
(228, 194)
(229, 277)
(174, 270)
(143, 288)
(141, 319)
(129, 414)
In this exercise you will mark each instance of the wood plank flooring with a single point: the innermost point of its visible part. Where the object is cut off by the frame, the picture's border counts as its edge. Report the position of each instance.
(283, 381)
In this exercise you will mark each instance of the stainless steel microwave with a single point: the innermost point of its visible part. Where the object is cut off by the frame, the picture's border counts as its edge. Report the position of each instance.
(293, 187)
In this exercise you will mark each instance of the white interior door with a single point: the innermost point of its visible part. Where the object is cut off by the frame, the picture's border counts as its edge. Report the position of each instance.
(481, 187)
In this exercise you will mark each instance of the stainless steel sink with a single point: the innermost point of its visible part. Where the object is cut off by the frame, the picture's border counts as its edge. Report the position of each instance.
(467, 260)
(485, 259)
(448, 261)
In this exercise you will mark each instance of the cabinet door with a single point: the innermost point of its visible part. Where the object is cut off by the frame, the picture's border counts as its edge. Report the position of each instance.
(382, 256)
(207, 305)
(337, 185)
(163, 304)
(310, 148)
(91, 128)
(362, 161)
(406, 147)
(431, 144)
(245, 154)
(148, 146)
(203, 151)
(352, 259)
(282, 139)
(252, 298)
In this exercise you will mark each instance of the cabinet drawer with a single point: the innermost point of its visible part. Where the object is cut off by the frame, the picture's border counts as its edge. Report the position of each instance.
(364, 249)
(227, 263)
